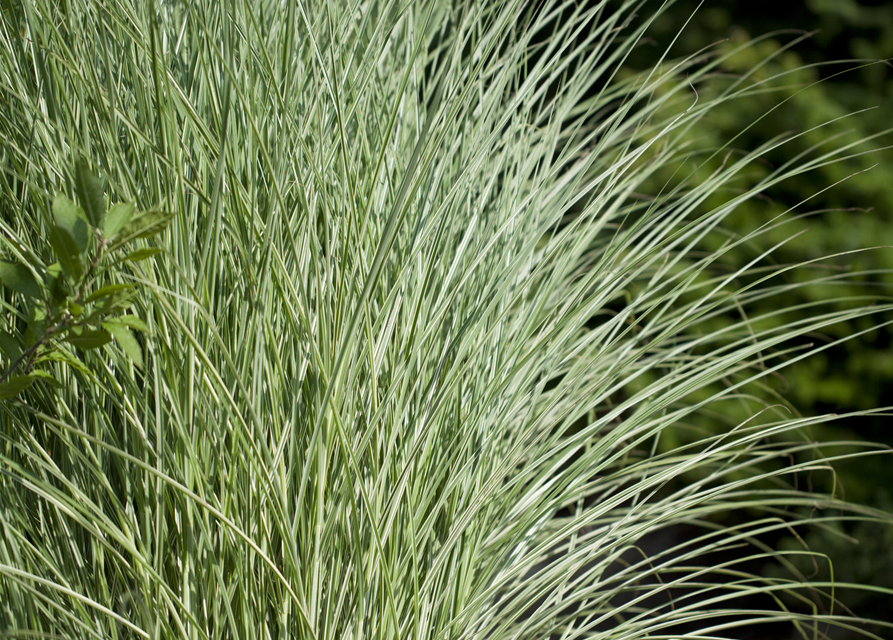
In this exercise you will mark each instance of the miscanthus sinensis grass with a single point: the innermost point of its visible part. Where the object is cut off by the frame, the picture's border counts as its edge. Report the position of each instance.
(418, 266)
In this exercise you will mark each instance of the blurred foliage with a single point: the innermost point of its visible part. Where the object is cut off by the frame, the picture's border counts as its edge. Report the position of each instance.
(829, 82)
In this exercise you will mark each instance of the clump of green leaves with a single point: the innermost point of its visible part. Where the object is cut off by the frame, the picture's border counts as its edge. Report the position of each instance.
(77, 300)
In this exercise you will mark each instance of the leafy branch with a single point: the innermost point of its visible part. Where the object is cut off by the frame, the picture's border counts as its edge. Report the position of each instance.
(74, 301)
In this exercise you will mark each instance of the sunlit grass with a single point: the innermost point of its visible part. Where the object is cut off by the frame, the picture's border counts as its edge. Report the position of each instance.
(417, 334)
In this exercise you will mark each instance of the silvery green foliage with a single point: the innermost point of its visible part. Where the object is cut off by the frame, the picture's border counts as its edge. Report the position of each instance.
(424, 329)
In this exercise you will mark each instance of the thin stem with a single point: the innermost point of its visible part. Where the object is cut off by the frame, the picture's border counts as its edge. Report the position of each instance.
(33, 348)
(88, 277)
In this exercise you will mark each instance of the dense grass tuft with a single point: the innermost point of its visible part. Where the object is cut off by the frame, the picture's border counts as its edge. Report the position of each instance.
(437, 351)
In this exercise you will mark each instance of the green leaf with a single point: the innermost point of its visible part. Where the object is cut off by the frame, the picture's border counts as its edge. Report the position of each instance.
(117, 218)
(71, 218)
(53, 271)
(134, 323)
(10, 347)
(126, 341)
(67, 251)
(15, 386)
(37, 326)
(108, 290)
(117, 301)
(59, 355)
(86, 339)
(55, 282)
(46, 376)
(144, 225)
(19, 278)
(89, 193)
(141, 254)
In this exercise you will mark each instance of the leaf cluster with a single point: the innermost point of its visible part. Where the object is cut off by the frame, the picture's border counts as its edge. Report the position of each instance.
(75, 301)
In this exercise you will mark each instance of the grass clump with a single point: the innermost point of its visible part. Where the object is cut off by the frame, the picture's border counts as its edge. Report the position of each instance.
(420, 331)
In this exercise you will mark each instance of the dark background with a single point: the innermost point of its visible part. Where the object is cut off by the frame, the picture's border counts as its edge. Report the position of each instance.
(857, 213)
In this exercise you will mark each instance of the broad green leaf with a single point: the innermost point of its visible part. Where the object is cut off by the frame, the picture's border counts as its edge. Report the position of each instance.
(37, 326)
(134, 323)
(19, 278)
(108, 290)
(46, 376)
(126, 341)
(141, 254)
(67, 251)
(117, 301)
(15, 386)
(144, 225)
(55, 282)
(10, 347)
(71, 218)
(88, 339)
(74, 309)
(117, 218)
(89, 193)
(53, 271)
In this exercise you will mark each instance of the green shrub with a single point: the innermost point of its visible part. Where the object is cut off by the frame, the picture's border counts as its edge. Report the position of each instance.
(434, 339)
(74, 306)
